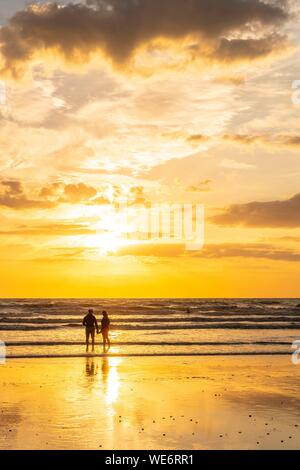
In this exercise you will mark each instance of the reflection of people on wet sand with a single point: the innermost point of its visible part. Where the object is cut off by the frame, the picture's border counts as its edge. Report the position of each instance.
(91, 368)
(105, 369)
(91, 326)
(105, 322)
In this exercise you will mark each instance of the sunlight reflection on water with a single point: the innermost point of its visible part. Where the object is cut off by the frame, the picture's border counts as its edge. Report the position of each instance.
(111, 379)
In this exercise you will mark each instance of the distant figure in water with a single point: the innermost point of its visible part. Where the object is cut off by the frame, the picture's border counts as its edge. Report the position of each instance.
(91, 325)
(105, 330)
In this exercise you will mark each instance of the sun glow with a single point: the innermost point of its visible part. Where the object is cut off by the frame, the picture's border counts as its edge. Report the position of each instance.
(103, 244)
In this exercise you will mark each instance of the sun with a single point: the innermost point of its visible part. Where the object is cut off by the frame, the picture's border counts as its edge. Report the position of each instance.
(103, 244)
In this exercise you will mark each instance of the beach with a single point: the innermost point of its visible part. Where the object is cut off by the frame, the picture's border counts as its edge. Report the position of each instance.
(218, 402)
(150, 226)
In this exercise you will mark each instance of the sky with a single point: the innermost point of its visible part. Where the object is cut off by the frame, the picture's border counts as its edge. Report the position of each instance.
(144, 103)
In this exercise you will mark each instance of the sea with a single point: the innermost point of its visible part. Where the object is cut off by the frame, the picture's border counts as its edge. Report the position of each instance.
(154, 327)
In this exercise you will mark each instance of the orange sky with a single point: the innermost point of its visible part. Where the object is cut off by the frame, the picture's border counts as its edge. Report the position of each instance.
(191, 107)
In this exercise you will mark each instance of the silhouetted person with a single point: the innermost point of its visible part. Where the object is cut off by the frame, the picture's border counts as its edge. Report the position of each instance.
(105, 322)
(91, 326)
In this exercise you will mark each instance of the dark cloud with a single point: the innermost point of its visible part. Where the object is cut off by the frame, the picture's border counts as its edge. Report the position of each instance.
(52, 229)
(289, 140)
(73, 193)
(196, 139)
(12, 196)
(62, 255)
(284, 140)
(211, 251)
(51, 190)
(119, 27)
(13, 187)
(244, 139)
(169, 251)
(78, 192)
(258, 251)
(137, 196)
(248, 49)
(23, 202)
(274, 140)
(231, 80)
(202, 186)
(284, 213)
(99, 201)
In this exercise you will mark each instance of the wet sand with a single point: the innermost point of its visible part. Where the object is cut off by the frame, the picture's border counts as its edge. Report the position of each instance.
(150, 403)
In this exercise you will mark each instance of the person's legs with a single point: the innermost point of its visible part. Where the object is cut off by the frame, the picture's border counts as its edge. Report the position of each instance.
(93, 339)
(87, 335)
(105, 339)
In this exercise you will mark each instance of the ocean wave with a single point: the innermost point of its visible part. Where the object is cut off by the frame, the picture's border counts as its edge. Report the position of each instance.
(152, 343)
(160, 313)
(127, 318)
(178, 327)
(167, 354)
(27, 327)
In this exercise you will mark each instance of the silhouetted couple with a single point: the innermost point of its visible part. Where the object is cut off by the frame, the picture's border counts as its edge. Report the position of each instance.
(91, 326)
